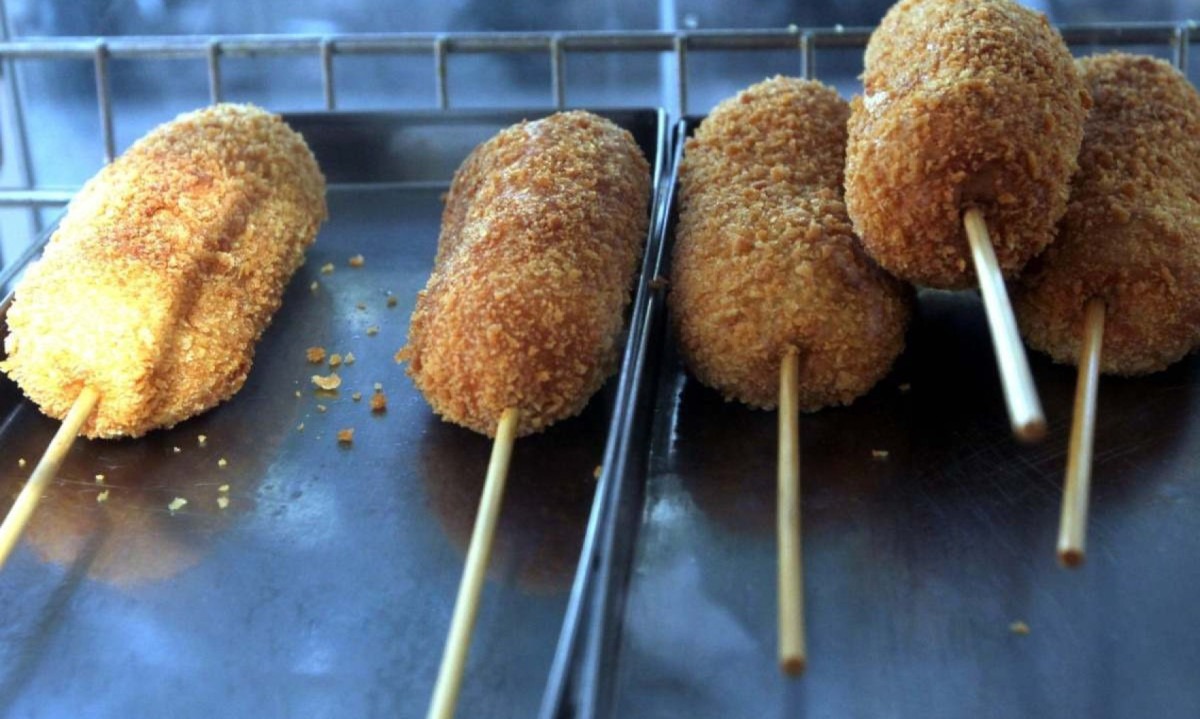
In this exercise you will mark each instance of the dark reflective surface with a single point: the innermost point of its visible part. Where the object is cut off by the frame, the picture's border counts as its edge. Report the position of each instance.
(325, 587)
(917, 565)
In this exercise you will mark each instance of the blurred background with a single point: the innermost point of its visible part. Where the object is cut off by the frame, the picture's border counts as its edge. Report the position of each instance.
(58, 97)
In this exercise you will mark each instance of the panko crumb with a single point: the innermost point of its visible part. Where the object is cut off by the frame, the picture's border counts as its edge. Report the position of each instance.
(223, 488)
(314, 286)
(21, 462)
(345, 436)
(300, 427)
(315, 355)
(177, 504)
(102, 497)
(176, 450)
(879, 455)
(360, 305)
(99, 479)
(356, 396)
(327, 268)
(321, 408)
(356, 261)
(222, 502)
(378, 386)
(222, 463)
(1019, 627)
(330, 382)
(202, 440)
(372, 330)
(599, 470)
(392, 301)
(378, 402)
(335, 360)
(349, 358)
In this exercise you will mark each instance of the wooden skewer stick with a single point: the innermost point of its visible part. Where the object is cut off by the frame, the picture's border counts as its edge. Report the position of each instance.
(466, 606)
(43, 473)
(793, 657)
(1024, 407)
(1072, 527)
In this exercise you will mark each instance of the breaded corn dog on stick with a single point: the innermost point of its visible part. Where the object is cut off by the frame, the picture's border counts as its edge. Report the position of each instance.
(765, 258)
(541, 234)
(1119, 291)
(966, 104)
(959, 157)
(521, 319)
(146, 305)
(772, 297)
(165, 271)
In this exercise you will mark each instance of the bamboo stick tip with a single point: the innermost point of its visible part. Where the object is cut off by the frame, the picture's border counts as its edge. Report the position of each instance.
(793, 666)
(1071, 558)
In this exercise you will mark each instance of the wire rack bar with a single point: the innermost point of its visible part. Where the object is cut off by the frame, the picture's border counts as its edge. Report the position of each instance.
(806, 42)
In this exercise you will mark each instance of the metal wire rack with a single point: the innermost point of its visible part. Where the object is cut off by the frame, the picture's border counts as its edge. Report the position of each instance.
(324, 50)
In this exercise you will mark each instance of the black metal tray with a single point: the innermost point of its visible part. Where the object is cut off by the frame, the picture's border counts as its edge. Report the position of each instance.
(920, 568)
(325, 588)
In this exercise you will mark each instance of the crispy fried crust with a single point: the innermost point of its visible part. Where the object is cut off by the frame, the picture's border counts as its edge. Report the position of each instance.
(1131, 235)
(968, 103)
(765, 258)
(540, 239)
(166, 270)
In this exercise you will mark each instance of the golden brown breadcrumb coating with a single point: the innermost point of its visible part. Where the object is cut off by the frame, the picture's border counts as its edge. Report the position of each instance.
(1131, 235)
(165, 271)
(765, 258)
(541, 234)
(967, 103)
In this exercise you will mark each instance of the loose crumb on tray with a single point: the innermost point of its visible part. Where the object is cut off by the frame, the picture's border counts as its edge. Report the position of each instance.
(330, 382)
(327, 268)
(222, 502)
(202, 440)
(315, 355)
(102, 497)
(599, 470)
(1019, 627)
(356, 396)
(361, 305)
(21, 462)
(223, 488)
(379, 402)
(372, 330)
(357, 261)
(349, 358)
(176, 450)
(879, 455)
(345, 436)
(905, 387)
(313, 287)
(177, 504)
(392, 301)
(99, 479)
(300, 427)
(335, 360)
(321, 408)
(222, 463)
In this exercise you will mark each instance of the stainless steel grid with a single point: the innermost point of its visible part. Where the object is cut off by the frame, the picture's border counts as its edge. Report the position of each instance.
(439, 47)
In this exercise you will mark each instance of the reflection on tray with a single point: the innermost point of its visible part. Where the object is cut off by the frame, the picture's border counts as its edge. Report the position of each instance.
(546, 501)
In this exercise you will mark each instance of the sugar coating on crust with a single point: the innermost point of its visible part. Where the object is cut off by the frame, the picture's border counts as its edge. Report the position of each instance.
(165, 271)
(541, 233)
(765, 257)
(1131, 235)
(967, 103)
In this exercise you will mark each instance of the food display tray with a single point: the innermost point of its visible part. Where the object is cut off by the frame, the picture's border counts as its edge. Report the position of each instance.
(931, 584)
(325, 586)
